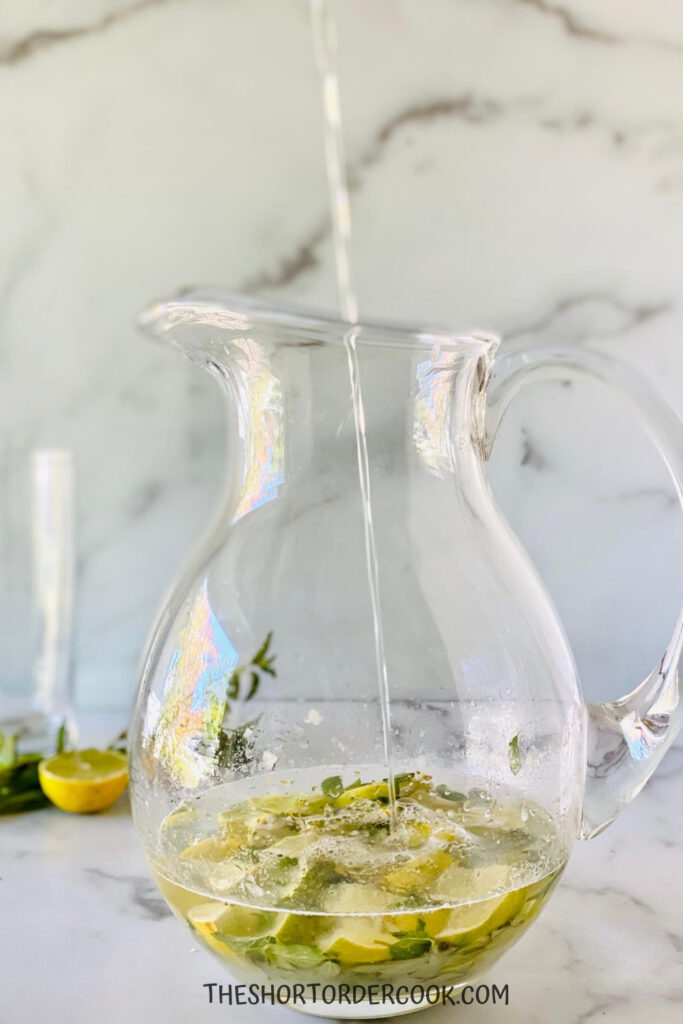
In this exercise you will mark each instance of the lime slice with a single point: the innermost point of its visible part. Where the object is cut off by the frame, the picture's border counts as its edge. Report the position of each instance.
(84, 781)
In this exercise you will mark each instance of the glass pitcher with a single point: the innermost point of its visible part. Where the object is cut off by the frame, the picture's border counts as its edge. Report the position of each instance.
(360, 753)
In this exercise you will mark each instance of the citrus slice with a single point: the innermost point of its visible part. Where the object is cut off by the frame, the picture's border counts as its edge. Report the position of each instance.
(370, 791)
(290, 803)
(427, 922)
(468, 924)
(300, 929)
(419, 872)
(472, 884)
(358, 941)
(215, 848)
(240, 923)
(357, 898)
(84, 781)
(243, 922)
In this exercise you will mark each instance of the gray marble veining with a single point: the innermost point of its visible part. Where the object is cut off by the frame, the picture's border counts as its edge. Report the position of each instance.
(515, 165)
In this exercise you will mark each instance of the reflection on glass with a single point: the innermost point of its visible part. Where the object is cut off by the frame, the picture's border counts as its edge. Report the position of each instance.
(260, 418)
(431, 425)
(190, 718)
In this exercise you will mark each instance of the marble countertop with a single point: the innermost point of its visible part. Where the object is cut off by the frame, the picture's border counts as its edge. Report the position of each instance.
(87, 937)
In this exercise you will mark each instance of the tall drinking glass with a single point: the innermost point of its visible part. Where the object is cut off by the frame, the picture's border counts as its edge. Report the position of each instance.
(36, 593)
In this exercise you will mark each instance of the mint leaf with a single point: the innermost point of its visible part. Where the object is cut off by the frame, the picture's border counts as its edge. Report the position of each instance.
(410, 947)
(332, 786)
(246, 946)
(294, 956)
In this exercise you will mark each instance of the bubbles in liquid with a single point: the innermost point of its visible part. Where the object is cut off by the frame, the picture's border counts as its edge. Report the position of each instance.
(276, 842)
(304, 880)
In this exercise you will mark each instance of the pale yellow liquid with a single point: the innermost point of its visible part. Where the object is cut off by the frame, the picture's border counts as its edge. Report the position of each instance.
(291, 885)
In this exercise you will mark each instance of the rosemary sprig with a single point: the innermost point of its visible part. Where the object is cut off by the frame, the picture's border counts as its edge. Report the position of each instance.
(120, 744)
(261, 662)
(233, 744)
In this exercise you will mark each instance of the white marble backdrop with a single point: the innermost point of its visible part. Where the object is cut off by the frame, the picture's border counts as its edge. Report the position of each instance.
(515, 165)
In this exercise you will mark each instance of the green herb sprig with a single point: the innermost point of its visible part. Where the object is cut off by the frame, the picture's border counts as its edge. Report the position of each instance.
(261, 662)
(233, 744)
(19, 785)
(514, 755)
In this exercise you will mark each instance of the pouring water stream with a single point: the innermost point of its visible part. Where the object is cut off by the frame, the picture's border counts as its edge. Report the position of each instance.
(324, 41)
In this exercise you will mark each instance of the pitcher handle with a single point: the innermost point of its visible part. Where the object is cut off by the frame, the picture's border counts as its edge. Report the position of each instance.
(626, 738)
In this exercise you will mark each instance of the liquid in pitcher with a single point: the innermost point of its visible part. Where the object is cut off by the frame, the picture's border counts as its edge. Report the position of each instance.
(314, 883)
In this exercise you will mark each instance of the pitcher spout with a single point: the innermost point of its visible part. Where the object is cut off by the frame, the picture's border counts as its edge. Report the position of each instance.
(197, 320)
(194, 320)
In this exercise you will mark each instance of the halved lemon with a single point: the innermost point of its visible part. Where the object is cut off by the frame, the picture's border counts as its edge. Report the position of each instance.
(84, 781)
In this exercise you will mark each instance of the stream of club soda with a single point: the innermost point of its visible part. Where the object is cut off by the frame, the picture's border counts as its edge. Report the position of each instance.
(325, 45)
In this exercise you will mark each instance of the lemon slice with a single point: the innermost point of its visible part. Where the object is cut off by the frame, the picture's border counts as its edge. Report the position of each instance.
(357, 898)
(243, 922)
(371, 791)
(290, 803)
(358, 941)
(419, 872)
(238, 922)
(432, 921)
(84, 781)
(471, 884)
(215, 848)
(226, 875)
(300, 929)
